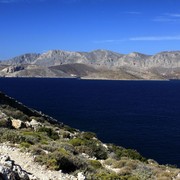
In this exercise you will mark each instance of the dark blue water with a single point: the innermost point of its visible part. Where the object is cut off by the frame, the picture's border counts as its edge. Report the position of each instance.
(144, 115)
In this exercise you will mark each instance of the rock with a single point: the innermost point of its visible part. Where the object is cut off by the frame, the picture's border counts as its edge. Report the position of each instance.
(35, 124)
(12, 69)
(27, 123)
(22, 174)
(10, 170)
(32, 177)
(152, 161)
(81, 176)
(17, 124)
(4, 158)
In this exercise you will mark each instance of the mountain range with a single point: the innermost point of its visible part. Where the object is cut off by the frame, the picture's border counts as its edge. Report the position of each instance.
(98, 64)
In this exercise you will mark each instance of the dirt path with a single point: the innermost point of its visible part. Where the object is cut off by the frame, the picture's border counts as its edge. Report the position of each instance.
(25, 160)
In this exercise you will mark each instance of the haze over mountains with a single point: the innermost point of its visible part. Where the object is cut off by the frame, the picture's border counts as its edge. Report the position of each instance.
(98, 64)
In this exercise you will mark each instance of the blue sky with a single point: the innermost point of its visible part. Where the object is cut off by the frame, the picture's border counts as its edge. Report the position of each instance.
(124, 26)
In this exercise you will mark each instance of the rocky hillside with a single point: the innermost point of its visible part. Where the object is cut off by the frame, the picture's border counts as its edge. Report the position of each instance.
(100, 64)
(36, 146)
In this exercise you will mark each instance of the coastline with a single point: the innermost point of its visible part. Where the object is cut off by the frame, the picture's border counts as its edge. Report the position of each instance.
(86, 78)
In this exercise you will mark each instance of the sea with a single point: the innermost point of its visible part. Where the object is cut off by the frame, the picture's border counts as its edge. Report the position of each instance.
(141, 115)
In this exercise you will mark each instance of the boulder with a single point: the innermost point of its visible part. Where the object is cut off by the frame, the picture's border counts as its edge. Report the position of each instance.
(35, 124)
(17, 124)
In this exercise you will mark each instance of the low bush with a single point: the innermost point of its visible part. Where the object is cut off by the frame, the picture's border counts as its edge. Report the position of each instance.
(37, 150)
(85, 149)
(50, 132)
(16, 114)
(31, 137)
(78, 142)
(95, 164)
(130, 153)
(113, 176)
(70, 129)
(5, 123)
(88, 135)
(90, 147)
(25, 145)
(68, 147)
(10, 135)
(107, 176)
(59, 160)
(48, 147)
(66, 134)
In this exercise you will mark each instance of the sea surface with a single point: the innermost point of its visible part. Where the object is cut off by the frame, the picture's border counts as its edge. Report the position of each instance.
(143, 115)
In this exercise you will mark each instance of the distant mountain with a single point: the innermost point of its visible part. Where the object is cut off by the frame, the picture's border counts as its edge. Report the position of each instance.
(95, 64)
(23, 59)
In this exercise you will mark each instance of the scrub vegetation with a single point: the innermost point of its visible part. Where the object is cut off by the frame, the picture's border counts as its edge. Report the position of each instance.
(60, 147)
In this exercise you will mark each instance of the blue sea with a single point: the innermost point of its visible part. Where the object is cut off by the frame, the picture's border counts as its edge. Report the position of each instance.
(143, 115)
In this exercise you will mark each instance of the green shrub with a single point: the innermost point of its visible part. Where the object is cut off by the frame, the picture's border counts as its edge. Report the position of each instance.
(25, 144)
(37, 150)
(85, 149)
(95, 164)
(78, 142)
(99, 152)
(58, 160)
(133, 178)
(50, 132)
(48, 147)
(107, 176)
(44, 141)
(6, 123)
(88, 135)
(10, 135)
(130, 153)
(16, 114)
(68, 147)
(66, 135)
(70, 129)
(90, 147)
(31, 137)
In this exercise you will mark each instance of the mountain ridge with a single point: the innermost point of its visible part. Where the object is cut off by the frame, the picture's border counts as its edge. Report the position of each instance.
(163, 65)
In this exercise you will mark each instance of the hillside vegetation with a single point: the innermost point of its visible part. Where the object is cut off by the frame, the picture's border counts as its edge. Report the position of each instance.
(61, 148)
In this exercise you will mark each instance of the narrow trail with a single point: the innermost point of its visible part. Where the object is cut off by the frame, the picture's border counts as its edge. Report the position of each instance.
(25, 160)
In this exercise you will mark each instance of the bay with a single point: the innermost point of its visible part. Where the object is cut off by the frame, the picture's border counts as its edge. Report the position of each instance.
(143, 115)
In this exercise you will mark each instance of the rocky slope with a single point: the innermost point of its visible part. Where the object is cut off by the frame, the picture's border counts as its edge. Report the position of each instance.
(35, 146)
(95, 64)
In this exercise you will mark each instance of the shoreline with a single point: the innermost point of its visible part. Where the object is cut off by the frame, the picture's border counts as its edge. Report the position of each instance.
(84, 78)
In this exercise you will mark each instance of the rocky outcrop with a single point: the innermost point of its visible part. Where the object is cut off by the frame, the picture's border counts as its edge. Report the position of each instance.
(17, 124)
(12, 69)
(10, 170)
(34, 124)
